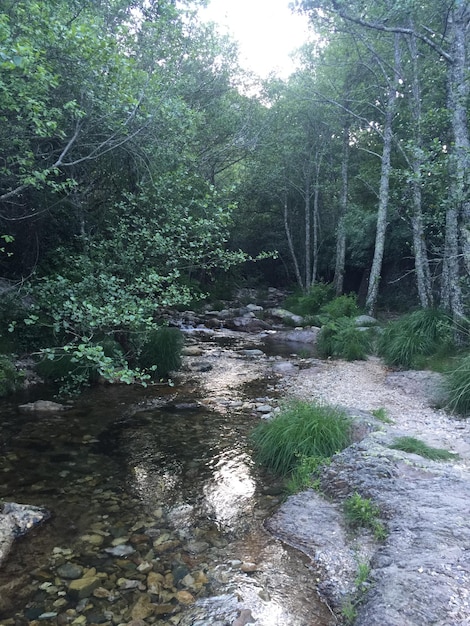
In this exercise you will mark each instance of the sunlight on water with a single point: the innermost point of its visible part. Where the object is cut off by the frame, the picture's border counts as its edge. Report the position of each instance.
(229, 492)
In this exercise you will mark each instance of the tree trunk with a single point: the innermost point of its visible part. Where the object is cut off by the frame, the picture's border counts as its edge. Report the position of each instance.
(376, 270)
(338, 280)
(316, 219)
(458, 211)
(423, 273)
(291, 246)
(308, 228)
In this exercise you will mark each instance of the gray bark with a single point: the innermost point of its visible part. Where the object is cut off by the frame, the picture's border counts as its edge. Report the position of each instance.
(386, 167)
(338, 280)
(316, 220)
(458, 212)
(291, 245)
(423, 273)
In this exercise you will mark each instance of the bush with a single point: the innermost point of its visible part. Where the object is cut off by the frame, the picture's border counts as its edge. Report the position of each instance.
(310, 303)
(420, 334)
(343, 306)
(10, 378)
(302, 429)
(341, 338)
(162, 351)
(457, 386)
(74, 367)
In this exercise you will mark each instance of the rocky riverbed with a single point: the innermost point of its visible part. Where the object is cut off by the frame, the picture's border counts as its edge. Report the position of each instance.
(120, 563)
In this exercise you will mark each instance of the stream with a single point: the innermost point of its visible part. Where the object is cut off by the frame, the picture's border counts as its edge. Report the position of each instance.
(157, 506)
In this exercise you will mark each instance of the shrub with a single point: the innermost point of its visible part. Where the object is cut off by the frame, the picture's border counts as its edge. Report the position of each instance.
(343, 306)
(310, 303)
(302, 429)
(422, 333)
(162, 350)
(10, 378)
(306, 473)
(361, 512)
(341, 338)
(416, 446)
(76, 366)
(457, 386)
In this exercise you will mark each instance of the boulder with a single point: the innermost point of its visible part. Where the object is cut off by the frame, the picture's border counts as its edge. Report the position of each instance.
(15, 521)
(285, 315)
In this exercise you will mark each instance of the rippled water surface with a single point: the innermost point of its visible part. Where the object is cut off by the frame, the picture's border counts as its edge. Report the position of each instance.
(165, 497)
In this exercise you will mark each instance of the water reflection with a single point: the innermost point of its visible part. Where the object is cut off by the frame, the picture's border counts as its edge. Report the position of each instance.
(229, 493)
(177, 459)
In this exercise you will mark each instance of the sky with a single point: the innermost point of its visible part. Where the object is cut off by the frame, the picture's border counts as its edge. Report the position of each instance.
(266, 30)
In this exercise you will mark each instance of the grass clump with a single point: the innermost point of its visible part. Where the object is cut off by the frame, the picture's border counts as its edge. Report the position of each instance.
(408, 341)
(457, 386)
(162, 349)
(361, 512)
(341, 338)
(381, 415)
(301, 430)
(416, 446)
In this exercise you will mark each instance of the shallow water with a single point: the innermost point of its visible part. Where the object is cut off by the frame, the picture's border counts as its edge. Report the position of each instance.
(179, 488)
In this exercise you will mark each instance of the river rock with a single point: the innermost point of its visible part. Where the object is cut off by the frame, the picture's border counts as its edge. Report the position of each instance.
(285, 315)
(192, 351)
(71, 571)
(15, 521)
(365, 320)
(305, 335)
(42, 406)
(284, 368)
(143, 608)
(83, 587)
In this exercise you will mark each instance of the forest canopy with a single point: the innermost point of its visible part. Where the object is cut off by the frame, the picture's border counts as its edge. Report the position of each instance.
(136, 172)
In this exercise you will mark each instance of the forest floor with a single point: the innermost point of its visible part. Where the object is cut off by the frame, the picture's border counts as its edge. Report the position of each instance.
(420, 574)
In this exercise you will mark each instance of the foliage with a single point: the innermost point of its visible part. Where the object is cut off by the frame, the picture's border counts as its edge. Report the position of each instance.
(162, 351)
(416, 446)
(342, 306)
(457, 386)
(416, 335)
(10, 378)
(306, 474)
(341, 338)
(310, 303)
(301, 430)
(361, 512)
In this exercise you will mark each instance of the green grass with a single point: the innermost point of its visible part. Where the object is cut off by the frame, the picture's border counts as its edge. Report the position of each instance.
(361, 512)
(417, 336)
(302, 429)
(381, 415)
(162, 349)
(457, 386)
(341, 338)
(416, 446)
(306, 474)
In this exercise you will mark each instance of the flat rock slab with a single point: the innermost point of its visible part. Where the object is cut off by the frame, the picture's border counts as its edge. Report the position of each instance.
(421, 573)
